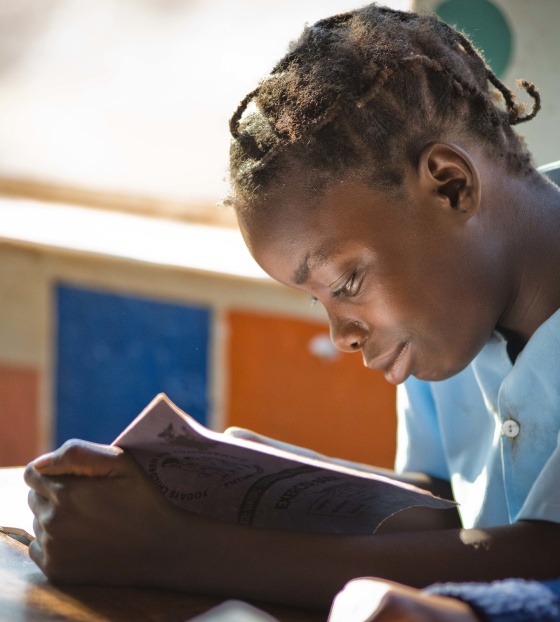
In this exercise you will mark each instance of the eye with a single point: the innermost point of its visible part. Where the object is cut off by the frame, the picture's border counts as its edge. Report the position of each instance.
(350, 288)
(312, 301)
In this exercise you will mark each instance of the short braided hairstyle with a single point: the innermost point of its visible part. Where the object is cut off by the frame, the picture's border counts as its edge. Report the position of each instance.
(359, 93)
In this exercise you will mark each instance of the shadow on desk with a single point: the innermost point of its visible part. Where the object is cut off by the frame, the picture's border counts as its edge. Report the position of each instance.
(26, 594)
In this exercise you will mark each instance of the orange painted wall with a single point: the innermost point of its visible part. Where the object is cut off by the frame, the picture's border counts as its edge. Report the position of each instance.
(19, 442)
(278, 388)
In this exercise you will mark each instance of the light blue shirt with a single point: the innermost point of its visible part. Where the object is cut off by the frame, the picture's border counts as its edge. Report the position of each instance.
(492, 431)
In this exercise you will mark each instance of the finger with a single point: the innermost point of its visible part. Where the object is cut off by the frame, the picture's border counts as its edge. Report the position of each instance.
(38, 529)
(77, 457)
(37, 482)
(36, 502)
(247, 435)
(36, 553)
(42, 510)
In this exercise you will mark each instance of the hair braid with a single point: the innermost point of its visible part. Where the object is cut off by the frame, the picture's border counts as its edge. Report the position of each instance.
(509, 98)
(532, 92)
(357, 91)
(236, 117)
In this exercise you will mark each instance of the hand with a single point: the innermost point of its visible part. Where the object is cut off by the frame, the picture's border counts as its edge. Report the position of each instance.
(98, 518)
(375, 600)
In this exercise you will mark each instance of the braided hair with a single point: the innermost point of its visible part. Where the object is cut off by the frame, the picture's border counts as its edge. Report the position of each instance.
(359, 94)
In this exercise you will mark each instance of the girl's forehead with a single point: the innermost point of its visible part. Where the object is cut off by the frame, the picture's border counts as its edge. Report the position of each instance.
(290, 243)
(292, 239)
(294, 212)
(289, 230)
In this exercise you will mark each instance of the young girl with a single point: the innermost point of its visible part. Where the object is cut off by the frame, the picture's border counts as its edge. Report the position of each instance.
(375, 169)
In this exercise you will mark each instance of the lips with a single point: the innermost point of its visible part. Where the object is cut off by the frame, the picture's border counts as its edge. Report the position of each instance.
(395, 365)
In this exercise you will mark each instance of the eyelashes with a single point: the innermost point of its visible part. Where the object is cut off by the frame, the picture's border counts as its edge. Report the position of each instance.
(350, 288)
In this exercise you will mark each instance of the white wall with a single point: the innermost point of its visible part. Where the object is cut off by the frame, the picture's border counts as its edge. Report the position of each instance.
(535, 57)
(134, 96)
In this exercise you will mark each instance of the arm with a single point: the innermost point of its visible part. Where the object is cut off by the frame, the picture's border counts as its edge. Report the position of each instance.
(375, 600)
(100, 520)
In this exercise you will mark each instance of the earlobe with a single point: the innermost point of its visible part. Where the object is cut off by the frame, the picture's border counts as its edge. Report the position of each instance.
(449, 172)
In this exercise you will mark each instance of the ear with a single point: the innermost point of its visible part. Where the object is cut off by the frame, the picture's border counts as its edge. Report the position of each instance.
(449, 173)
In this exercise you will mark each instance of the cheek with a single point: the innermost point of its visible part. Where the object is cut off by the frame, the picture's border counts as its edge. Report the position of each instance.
(450, 335)
(441, 301)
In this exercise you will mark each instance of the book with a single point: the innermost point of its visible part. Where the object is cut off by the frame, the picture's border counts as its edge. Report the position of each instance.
(241, 481)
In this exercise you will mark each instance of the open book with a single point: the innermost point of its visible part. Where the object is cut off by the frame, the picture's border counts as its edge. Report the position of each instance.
(236, 480)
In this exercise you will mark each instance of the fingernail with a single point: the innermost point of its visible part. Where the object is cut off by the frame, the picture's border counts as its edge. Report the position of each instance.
(43, 461)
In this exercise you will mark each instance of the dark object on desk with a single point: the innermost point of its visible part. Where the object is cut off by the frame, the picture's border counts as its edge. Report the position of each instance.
(17, 534)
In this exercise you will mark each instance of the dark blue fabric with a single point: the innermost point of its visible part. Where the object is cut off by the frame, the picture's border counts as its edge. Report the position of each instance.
(510, 600)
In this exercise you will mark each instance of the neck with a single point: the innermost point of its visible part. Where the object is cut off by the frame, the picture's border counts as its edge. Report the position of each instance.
(532, 206)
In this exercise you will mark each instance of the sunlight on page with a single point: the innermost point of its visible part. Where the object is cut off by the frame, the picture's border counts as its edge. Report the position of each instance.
(227, 478)
(15, 515)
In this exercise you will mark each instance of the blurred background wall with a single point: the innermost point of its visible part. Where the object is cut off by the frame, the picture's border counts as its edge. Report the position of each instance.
(519, 41)
(120, 274)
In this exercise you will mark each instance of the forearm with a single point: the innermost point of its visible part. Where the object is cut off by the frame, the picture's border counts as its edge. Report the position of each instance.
(101, 521)
(309, 569)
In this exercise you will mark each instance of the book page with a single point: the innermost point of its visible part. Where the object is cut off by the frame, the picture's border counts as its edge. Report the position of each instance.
(16, 517)
(231, 479)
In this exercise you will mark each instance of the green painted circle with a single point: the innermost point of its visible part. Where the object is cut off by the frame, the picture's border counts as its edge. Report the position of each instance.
(485, 25)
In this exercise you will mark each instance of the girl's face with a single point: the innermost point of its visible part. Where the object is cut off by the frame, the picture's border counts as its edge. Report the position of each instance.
(411, 285)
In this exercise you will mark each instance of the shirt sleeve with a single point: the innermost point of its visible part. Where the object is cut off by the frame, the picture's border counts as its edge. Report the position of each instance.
(419, 442)
(511, 600)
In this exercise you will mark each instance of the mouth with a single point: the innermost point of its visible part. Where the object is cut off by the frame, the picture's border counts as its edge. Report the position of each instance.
(395, 365)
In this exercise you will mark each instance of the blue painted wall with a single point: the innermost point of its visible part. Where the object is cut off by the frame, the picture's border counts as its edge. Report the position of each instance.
(115, 353)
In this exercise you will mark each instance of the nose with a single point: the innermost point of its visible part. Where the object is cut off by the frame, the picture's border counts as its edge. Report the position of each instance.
(348, 335)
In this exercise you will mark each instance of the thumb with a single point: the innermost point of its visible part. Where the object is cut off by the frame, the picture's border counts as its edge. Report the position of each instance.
(77, 457)
(243, 433)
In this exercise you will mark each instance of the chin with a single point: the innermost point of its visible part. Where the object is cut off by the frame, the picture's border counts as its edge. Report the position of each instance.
(435, 375)
(442, 363)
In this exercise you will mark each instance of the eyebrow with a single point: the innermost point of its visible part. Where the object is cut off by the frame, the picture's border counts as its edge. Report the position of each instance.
(321, 256)
(301, 273)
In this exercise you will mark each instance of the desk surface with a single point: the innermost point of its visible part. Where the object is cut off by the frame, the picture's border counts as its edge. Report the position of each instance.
(26, 594)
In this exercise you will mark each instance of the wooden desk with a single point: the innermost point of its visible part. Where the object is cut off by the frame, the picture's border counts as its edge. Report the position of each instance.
(26, 594)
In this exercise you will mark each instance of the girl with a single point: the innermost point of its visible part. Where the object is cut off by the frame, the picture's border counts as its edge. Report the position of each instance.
(375, 169)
